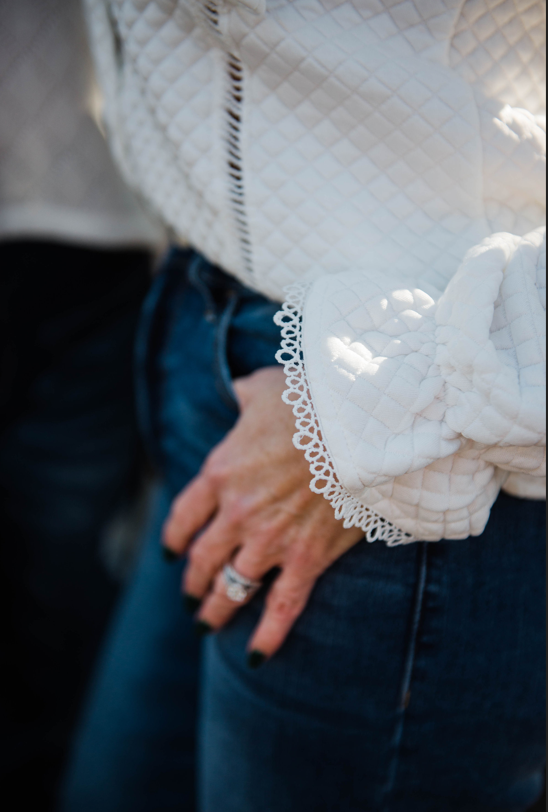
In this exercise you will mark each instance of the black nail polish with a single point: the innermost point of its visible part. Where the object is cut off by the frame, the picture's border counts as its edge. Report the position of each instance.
(191, 603)
(169, 555)
(255, 659)
(203, 628)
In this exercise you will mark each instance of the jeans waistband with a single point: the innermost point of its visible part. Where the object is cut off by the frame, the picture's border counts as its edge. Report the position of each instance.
(202, 274)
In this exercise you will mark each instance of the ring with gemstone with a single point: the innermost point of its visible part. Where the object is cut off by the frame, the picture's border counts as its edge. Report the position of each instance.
(238, 587)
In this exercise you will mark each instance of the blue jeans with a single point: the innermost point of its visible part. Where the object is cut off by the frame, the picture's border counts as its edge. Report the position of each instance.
(413, 682)
(69, 454)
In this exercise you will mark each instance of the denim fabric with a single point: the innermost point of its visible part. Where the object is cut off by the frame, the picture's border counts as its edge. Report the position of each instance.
(69, 456)
(413, 682)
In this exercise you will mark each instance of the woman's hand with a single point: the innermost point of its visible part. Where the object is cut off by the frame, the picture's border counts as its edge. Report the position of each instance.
(253, 506)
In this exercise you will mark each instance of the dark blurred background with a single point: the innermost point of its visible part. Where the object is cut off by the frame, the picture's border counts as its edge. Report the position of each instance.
(76, 253)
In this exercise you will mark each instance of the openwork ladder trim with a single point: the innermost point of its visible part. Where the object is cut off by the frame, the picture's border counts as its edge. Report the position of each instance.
(308, 437)
(234, 100)
(234, 112)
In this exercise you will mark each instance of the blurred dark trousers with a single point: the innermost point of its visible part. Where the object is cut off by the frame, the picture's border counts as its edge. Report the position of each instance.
(413, 682)
(69, 457)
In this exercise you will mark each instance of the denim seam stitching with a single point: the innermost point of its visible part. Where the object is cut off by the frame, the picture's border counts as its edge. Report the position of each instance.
(144, 368)
(408, 671)
(193, 274)
(222, 371)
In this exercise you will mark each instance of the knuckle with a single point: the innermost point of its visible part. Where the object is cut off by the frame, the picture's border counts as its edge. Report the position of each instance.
(308, 560)
(216, 468)
(243, 385)
(285, 606)
(255, 563)
(198, 557)
(177, 508)
(237, 511)
(303, 497)
(169, 534)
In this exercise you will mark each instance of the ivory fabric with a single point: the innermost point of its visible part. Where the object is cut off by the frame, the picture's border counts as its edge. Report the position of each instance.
(385, 160)
(57, 178)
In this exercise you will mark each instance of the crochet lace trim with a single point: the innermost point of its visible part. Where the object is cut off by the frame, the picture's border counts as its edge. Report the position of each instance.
(308, 437)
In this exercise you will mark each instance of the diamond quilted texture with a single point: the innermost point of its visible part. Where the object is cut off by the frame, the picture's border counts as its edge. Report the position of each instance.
(163, 116)
(505, 353)
(422, 403)
(354, 148)
(499, 47)
(514, 168)
(378, 142)
(373, 158)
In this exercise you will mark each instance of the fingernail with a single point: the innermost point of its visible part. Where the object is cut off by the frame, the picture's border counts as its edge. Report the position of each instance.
(255, 659)
(169, 555)
(203, 628)
(191, 603)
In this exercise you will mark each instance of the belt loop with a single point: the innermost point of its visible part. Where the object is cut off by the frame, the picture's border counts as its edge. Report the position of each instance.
(196, 280)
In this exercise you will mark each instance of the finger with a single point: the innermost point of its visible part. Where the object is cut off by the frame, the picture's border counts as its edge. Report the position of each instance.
(207, 556)
(218, 608)
(192, 509)
(285, 603)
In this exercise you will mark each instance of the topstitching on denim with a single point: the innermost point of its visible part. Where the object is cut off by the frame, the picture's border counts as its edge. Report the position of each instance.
(223, 376)
(409, 662)
(148, 341)
(195, 277)
(221, 297)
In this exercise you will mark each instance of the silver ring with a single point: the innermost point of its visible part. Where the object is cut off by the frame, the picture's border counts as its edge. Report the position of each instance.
(239, 588)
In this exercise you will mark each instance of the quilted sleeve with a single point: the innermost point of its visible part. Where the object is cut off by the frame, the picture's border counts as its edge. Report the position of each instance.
(413, 410)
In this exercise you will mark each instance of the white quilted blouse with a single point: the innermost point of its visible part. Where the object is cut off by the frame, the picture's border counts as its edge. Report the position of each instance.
(385, 160)
(57, 178)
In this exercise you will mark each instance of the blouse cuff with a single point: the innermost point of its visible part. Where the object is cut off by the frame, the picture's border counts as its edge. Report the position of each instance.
(309, 437)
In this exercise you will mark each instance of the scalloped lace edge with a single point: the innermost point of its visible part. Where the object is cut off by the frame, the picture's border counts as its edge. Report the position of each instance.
(308, 437)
